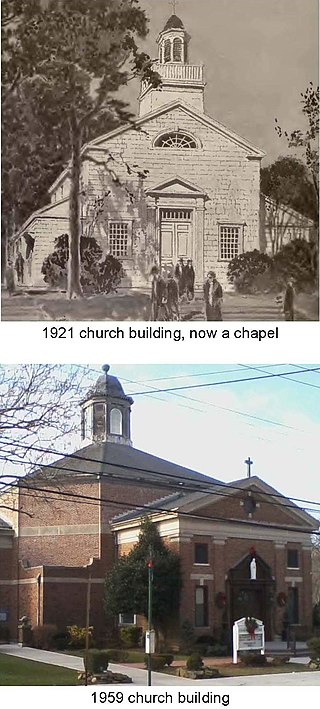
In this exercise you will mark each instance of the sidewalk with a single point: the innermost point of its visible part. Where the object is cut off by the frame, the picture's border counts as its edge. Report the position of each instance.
(139, 676)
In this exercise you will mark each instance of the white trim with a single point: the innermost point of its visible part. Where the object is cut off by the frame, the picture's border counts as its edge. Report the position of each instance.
(293, 579)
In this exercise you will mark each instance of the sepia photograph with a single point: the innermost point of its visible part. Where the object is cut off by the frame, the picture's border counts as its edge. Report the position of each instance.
(160, 160)
(159, 525)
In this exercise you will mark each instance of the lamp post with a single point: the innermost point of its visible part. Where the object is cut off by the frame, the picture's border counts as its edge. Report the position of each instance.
(150, 579)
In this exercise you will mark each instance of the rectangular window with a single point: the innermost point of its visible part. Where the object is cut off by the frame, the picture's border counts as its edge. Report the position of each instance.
(293, 605)
(292, 559)
(201, 553)
(99, 419)
(201, 606)
(119, 239)
(127, 619)
(229, 242)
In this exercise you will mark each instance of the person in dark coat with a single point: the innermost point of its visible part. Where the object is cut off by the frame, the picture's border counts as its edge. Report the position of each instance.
(173, 297)
(19, 267)
(213, 296)
(159, 295)
(179, 273)
(288, 301)
(189, 277)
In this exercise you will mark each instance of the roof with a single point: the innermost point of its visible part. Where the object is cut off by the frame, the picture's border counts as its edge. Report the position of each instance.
(4, 525)
(166, 504)
(121, 462)
(108, 385)
(173, 23)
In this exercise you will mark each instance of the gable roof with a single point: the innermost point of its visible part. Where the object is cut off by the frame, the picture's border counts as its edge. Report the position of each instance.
(188, 502)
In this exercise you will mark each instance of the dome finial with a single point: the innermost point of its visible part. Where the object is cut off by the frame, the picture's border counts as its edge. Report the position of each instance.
(106, 368)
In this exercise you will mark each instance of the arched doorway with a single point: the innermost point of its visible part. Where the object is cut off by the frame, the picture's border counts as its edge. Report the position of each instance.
(252, 597)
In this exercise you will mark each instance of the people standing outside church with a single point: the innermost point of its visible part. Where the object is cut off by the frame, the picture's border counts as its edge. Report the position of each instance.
(189, 277)
(288, 301)
(173, 297)
(180, 275)
(213, 296)
(159, 295)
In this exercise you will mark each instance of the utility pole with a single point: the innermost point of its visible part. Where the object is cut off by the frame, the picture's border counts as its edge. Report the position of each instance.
(87, 630)
(150, 579)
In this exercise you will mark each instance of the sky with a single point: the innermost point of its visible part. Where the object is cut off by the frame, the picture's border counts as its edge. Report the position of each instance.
(214, 428)
(259, 56)
(201, 433)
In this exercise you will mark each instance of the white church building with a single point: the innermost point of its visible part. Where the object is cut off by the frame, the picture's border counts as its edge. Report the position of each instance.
(199, 196)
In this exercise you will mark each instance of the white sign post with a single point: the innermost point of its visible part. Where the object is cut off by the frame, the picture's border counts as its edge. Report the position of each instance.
(245, 641)
(150, 642)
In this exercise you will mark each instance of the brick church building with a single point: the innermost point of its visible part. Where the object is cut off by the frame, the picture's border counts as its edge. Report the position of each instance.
(201, 196)
(70, 520)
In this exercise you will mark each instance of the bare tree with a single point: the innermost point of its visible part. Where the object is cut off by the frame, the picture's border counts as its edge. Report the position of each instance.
(37, 409)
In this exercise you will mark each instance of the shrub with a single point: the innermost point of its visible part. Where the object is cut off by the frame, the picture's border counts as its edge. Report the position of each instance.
(314, 648)
(243, 269)
(296, 260)
(216, 650)
(130, 635)
(187, 637)
(117, 655)
(42, 636)
(253, 659)
(205, 640)
(61, 640)
(316, 615)
(158, 661)
(279, 660)
(194, 661)
(98, 274)
(97, 661)
(78, 636)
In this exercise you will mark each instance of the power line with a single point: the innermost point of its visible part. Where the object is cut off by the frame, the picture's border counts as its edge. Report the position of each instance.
(229, 381)
(194, 486)
(152, 508)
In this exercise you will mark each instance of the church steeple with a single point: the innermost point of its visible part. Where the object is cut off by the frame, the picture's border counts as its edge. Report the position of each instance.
(105, 412)
(179, 79)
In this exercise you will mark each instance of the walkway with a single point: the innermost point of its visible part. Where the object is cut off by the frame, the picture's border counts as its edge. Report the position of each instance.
(139, 676)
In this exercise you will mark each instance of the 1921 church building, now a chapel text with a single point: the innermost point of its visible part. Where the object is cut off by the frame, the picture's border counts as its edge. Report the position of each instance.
(199, 196)
(68, 522)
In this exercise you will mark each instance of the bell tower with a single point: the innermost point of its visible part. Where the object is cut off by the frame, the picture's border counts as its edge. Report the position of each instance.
(179, 79)
(105, 412)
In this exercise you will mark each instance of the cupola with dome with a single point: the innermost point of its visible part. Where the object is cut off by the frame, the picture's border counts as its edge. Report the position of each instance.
(105, 412)
(179, 79)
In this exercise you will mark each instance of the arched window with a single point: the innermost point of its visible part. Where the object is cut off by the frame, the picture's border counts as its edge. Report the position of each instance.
(175, 140)
(116, 422)
(177, 50)
(167, 51)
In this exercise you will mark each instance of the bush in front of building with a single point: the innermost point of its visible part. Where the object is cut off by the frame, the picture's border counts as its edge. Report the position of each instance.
(78, 636)
(4, 633)
(98, 274)
(297, 260)
(244, 268)
(194, 662)
(43, 636)
(130, 636)
(216, 650)
(97, 661)
(159, 660)
(313, 645)
(253, 659)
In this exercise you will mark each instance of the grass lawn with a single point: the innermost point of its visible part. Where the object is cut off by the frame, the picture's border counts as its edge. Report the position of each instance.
(15, 671)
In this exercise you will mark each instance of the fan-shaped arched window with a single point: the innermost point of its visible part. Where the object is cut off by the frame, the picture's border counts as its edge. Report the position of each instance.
(177, 49)
(167, 51)
(116, 422)
(175, 140)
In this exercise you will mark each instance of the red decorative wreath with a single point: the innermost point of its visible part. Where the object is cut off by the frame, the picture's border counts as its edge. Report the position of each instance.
(221, 599)
(281, 599)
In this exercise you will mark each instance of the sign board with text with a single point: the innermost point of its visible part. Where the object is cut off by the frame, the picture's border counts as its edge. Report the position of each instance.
(246, 637)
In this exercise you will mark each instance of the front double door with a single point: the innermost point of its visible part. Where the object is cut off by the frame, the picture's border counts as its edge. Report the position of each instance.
(175, 236)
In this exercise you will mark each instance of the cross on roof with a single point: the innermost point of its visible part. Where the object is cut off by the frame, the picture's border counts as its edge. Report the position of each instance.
(174, 4)
(248, 463)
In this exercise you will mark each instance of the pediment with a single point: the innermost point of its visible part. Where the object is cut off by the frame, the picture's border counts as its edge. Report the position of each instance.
(177, 186)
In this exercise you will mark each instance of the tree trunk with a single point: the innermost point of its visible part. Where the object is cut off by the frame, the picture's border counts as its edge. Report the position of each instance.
(74, 265)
